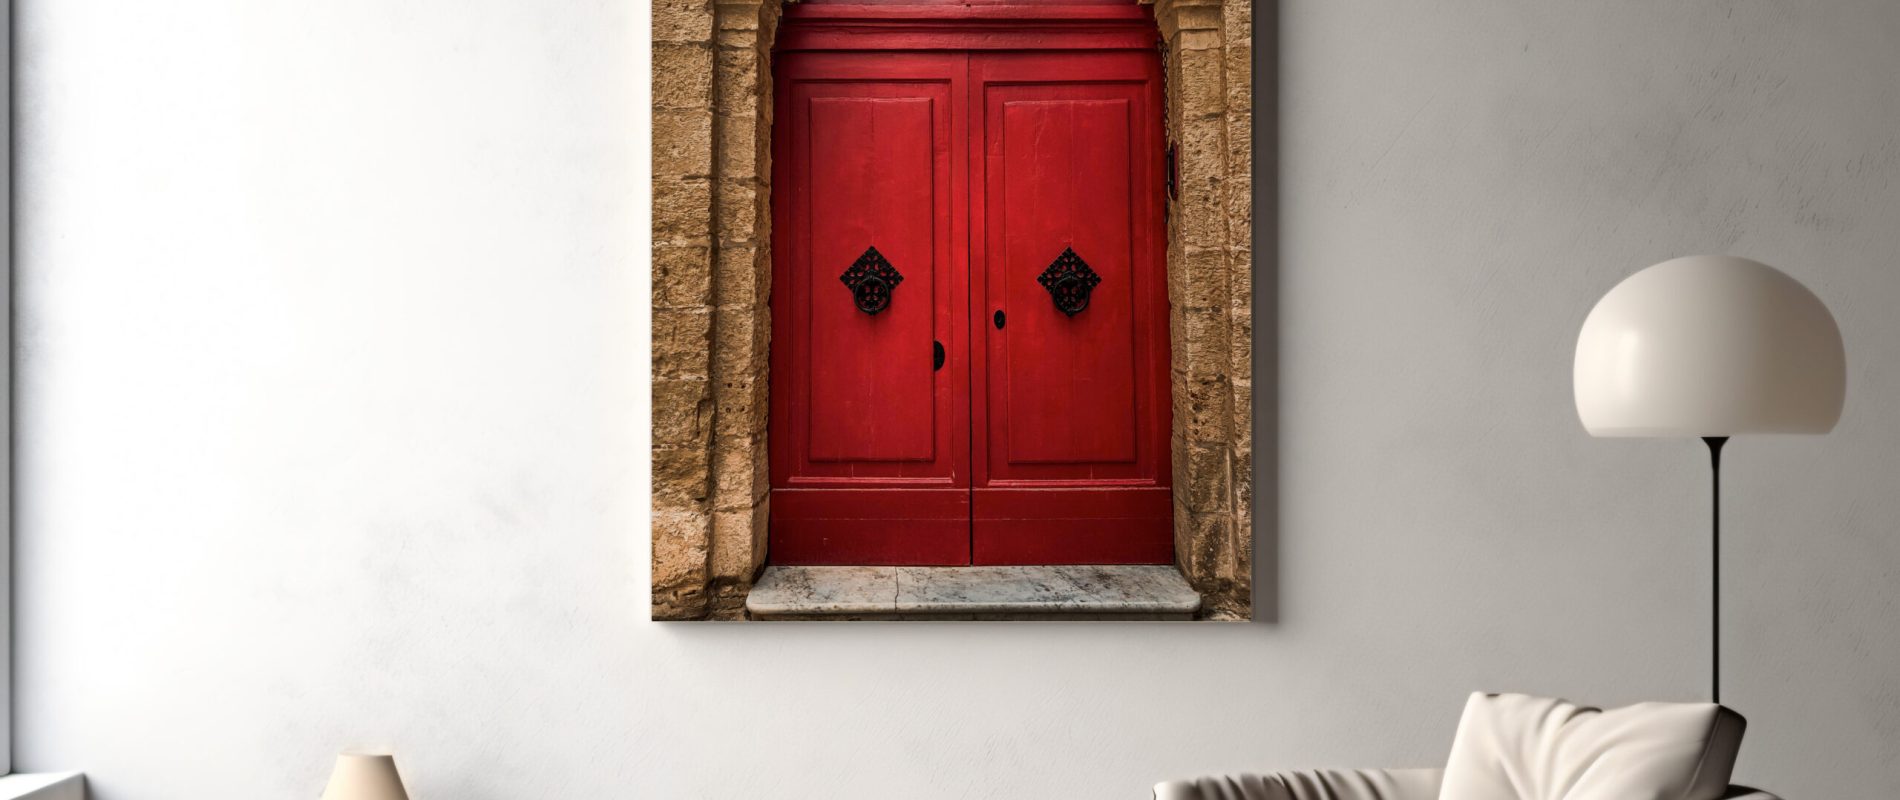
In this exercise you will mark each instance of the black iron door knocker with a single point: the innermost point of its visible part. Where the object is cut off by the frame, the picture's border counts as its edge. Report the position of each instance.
(1069, 281)
(871, 279)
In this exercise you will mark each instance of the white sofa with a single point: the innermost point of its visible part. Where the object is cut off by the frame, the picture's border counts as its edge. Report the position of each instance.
(1338, 784)
(1522, 747)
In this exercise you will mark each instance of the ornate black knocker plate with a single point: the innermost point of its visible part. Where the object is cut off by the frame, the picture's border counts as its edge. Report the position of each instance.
(1069, 281)
(871, 279)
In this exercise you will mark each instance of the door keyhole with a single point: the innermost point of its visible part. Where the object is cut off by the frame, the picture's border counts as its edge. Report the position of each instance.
(998, 319)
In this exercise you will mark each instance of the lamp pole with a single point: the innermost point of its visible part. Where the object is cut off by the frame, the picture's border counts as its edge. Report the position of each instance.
(1715, 574)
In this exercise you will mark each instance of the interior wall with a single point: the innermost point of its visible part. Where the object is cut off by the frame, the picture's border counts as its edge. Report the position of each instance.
(332, 417)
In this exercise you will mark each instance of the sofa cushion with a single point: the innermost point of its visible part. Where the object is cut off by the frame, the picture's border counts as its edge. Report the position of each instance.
(1518, 747)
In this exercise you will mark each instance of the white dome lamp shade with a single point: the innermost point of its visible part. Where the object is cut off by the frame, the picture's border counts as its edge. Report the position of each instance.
(1710, 347)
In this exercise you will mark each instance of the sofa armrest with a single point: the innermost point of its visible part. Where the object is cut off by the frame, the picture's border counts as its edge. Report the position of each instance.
(1327, 784)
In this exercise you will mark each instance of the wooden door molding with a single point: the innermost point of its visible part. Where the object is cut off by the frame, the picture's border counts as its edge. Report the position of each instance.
(888, 27)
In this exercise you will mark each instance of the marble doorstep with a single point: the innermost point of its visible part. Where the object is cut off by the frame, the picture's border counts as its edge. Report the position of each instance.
(943, 593)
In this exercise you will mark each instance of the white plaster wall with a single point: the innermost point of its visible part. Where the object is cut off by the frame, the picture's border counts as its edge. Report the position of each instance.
(332, 408)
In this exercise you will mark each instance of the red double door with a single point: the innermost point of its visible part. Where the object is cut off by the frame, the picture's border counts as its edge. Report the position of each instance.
(970, 321)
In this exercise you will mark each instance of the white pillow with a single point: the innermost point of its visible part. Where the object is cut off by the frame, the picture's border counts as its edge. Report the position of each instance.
(1518, 747)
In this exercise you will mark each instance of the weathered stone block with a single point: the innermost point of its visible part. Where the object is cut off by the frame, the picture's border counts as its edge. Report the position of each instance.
(1201, 347)
(743, 406)
(1207, 486)
(740, 341)
(1200, 221)
(1239, 138)
(682, 343)
(1203, 86)
(682, 211)
(1203, 408)
(682, 21)
(741, 39)
(735, 557)
(1201, 210)
(1243, 404)
(680, 549)
(679, 605)
(740, 273)
(681, 412)
(1207, 38)
(1239, 183)
(682, 143)
(1202, 543)
(1239, 57)
(1204, 159)
(739, 150)
(1198, 278)
(740, 471)
(682, 277)
(739, 71)
(1237, 21)
(1240, 341)
(739, 16)
(762, 229)
(1175, 15)
(1243, 493)
(1240, 267)
(739, 206)
(682, 75)
(1199, 28)
(682, 478)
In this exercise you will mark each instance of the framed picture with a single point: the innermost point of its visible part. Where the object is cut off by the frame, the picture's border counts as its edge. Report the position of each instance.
(952, 311)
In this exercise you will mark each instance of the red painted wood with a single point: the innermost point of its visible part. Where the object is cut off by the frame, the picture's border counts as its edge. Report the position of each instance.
(859, 27)
(909, 527)
(1082, 525)
(970, 145)
(974, 11)
(1071, 157)
(868, 154)
(963, 3)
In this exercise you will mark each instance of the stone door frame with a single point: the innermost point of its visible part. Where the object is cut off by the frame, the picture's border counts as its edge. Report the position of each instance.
(712, 270)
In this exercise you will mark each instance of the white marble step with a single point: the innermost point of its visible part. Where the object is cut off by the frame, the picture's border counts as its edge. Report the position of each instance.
(1061, 592)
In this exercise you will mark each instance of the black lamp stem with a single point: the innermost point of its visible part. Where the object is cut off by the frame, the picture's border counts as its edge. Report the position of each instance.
(1715, 576)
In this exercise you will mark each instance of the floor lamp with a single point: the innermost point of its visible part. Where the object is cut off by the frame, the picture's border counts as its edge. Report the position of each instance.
(1710, 347)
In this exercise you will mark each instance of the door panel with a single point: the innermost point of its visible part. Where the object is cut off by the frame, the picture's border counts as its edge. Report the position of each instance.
(870, 430)
(1070, 445)
(872, 156)
(1067, 382)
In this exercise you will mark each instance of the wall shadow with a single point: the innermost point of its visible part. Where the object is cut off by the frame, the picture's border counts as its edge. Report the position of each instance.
(1266, 311)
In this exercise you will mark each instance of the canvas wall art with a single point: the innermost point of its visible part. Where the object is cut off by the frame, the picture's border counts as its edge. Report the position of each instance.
(952, 311)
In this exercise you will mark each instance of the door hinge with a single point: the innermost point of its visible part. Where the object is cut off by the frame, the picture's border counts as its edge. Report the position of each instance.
(1172, 174)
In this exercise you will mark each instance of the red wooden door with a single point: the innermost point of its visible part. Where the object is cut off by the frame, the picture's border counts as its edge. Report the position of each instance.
(870, 424)
(969, 354)
(1071, 429)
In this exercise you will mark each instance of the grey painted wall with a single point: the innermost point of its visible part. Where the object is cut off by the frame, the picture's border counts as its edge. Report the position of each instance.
(332, 409)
